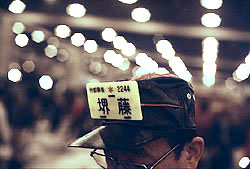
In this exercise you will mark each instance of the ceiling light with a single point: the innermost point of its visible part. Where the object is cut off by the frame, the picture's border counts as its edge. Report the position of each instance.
(77, 39)
(14, 75)
(46, 82)
(62, 31)
(211, 4)
(21, 40)
(90, 46)
(140, 14)
(128, 1)
(50, 51)
(211, 20)
(17, 6)
(18, 27)
(76, 10)
(108, 34)
(119, 42)
(38, 36)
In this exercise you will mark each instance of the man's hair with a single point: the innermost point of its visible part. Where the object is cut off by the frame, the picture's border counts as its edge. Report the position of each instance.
(180, 137)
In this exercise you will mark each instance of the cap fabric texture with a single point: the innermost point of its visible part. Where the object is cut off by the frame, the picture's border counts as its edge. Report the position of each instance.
(167, 106)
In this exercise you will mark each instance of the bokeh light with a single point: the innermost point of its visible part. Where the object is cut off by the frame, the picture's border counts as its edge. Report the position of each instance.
(21, 40)
(109, 55)
(90, 46)
(18, 27)
(128, 1)
(119, 42)
(244, 162)
(76, 10)
(38, 36)
(51, 51)
(109, 34)
(62, 31)
(163, 46)
(211, 4)
(77, 39)
(128, 49)
(242, 72)
(46, 82)
(140, 14)
(211, 20)
(17, 6)
(14, 75)
(28, 66)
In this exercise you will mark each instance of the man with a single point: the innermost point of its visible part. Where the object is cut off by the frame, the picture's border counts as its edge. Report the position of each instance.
(148, 122)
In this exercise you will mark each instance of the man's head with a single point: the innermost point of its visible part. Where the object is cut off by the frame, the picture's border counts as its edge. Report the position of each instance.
(167, 123)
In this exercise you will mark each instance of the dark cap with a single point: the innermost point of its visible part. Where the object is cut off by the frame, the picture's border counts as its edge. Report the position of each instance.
(167, 104)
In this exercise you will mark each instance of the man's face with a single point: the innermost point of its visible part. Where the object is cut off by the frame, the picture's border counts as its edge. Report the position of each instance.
(153, 151)
(148, 154)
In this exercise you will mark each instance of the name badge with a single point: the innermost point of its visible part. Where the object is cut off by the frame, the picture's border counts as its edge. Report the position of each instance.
(114, 100)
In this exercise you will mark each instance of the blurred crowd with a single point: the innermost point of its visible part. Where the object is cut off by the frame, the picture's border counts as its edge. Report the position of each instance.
(30, 115)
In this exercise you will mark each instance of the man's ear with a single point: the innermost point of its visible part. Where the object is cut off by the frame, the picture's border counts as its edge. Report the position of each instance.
(193, 152)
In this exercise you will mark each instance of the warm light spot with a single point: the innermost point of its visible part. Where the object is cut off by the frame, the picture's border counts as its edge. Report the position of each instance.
(140, 14)
(62, 55)
(211, 4)
(77, 39)
(28, 66)
(17, 6)
(211, 20)
(21, 40)
(90, 46)
(230, 83)
(38, 36)
(108, 34)
(14, 75)
(18, 27)
(76, 10)
(62, 31)
(46, 82)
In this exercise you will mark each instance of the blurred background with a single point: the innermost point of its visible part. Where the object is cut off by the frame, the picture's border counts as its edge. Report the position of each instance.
(50, 49)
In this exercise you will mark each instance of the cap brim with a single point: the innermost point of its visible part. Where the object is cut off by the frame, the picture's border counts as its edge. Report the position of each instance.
(117, 137)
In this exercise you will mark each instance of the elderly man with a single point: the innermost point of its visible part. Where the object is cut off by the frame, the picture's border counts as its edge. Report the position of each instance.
(147, 122)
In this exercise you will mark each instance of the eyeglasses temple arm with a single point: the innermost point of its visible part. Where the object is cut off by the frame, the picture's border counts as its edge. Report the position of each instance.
(164, 156)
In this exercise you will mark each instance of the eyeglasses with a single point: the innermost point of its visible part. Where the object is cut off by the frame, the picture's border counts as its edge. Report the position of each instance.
(102, 160)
